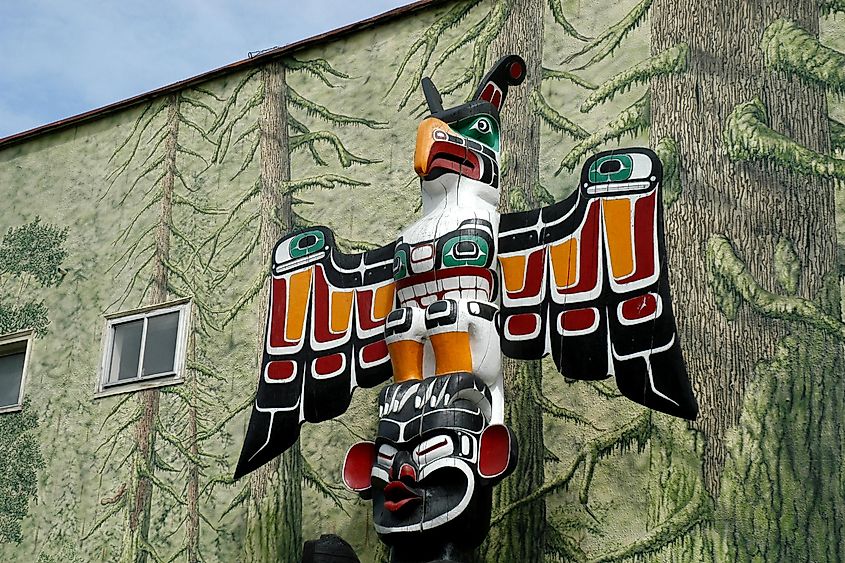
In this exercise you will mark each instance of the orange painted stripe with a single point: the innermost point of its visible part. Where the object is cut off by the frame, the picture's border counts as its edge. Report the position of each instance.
(513, 270)
(383, 301)
(617, 223)
(300, 290)
(341, 310)
(452, 353)
(406, 357)
(565, 263)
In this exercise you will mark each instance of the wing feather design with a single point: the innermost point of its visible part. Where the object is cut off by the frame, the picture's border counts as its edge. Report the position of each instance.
(585, 280)
(324, 337)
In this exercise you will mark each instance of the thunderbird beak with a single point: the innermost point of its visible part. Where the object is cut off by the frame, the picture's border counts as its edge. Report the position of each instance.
(435, 151)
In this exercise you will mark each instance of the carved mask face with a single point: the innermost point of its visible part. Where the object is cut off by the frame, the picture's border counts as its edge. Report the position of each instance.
(435, 460)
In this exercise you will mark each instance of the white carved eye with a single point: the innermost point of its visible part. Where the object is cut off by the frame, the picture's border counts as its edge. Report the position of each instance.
(433, 449)
(482, 126)
(385, 455)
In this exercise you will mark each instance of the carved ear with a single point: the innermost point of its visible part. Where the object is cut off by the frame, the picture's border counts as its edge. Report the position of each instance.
(497, 454)
(493, 88)
(358, 466)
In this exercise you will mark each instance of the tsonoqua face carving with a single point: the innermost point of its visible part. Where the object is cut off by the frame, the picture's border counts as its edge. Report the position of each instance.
(431, 470)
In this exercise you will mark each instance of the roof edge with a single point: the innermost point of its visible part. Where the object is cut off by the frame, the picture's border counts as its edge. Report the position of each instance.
(257, 60)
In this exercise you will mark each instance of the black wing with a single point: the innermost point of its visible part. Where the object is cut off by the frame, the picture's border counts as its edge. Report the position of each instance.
(324, 337)
(586, 280)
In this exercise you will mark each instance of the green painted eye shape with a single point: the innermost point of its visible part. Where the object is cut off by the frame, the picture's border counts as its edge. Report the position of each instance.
(400, 265)
(465, 250)
(611, 168)
(306, 243)
(483, 126)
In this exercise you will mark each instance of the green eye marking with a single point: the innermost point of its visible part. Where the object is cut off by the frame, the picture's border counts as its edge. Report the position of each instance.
(481, 128)
(400, 265)
(611, 168)
(306, 243)
(465, 250)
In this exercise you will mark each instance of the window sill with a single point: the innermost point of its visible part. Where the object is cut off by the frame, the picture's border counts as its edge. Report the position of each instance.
(141, 385)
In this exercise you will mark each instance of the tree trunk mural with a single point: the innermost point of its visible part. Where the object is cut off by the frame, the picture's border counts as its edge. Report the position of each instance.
(745, 240)
(274, 514)
(140, 493)
(151, 152)
(520, 535)
(273, 494)
(693, 108)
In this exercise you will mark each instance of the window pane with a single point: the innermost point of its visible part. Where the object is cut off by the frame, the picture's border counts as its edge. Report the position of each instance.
(11, 372)
(126, 351)
(160, 347)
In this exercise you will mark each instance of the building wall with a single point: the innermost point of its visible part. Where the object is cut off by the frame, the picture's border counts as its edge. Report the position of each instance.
(715, 490)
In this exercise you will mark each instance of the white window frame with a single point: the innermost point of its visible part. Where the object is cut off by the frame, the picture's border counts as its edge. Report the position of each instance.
(27, 336)
(105, 389)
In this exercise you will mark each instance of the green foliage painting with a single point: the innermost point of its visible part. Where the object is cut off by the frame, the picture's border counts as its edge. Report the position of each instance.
(30, 259)
(182, 196)
(20, 463)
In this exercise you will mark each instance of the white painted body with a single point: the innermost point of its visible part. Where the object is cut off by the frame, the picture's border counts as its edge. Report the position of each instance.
(448, 201)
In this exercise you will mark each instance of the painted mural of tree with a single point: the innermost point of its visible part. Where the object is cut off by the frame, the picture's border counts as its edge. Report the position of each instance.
(269, 208)
(21, 459)
(522, 531)
(30, 258)
(162, 448)
(736, 106)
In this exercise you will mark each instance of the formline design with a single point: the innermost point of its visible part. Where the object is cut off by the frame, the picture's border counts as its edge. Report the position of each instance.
(584, 280)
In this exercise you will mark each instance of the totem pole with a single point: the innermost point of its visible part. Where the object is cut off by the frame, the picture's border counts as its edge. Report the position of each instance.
(583, 279)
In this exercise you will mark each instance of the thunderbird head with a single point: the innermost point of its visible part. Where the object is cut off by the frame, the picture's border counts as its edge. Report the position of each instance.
(461, 144)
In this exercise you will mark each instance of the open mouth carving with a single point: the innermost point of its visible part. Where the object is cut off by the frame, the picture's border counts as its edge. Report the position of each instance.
(397, 496)
(446, 156)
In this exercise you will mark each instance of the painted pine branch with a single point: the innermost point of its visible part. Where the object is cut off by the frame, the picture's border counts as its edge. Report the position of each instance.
(829, 7)
(317, 110)
(670, 61)
(562, 546)
(729, 268)
(636, 431)
(554, 119)
(632, 120)
(790, 48)
(310, 140)
(428, 43)
(333, 493)
(606, 43)
(319, 68)
(667, 150)
(494, 21)
(560, 18)
(551, 74)
(695, 513)
(837, 135)
(747, 136)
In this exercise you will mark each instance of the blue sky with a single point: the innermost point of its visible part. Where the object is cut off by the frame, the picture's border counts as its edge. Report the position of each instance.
(59, 58)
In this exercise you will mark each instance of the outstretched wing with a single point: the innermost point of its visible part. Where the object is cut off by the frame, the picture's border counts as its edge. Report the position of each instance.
(324, 338)
(586, 280)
